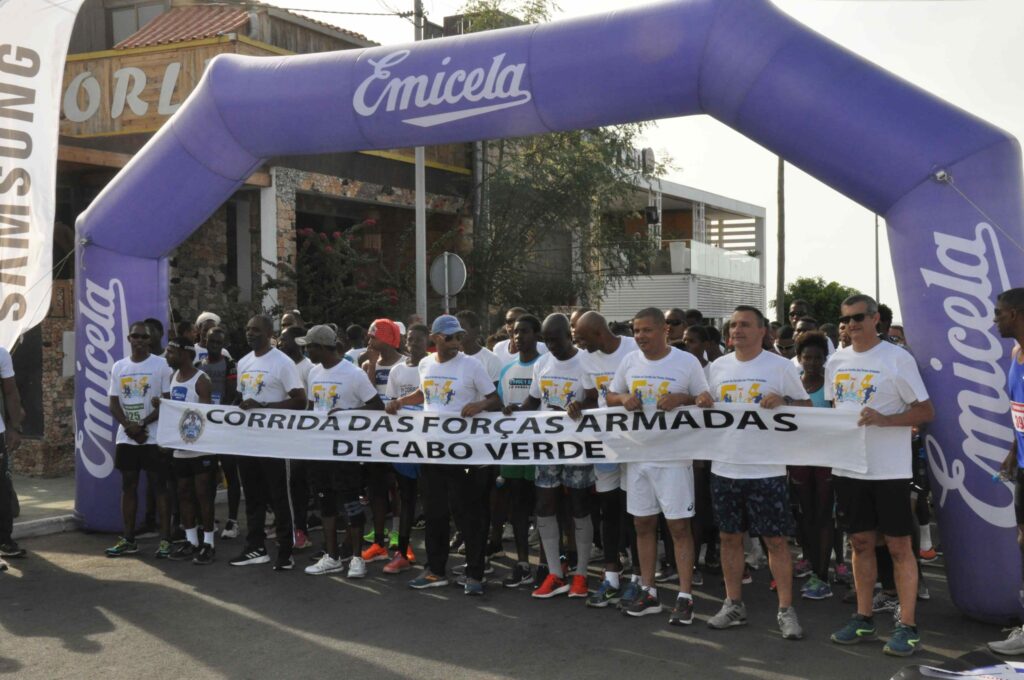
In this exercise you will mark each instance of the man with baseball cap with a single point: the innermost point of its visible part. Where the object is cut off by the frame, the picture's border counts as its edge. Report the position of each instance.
(451, 382)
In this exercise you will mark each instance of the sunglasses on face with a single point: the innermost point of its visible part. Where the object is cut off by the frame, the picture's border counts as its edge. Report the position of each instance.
(453, 336)
(857, 318)
(139, 336)
(674, 322)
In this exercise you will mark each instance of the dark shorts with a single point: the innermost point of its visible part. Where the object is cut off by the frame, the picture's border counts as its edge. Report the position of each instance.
(1018, 497)
(148, 457)
(190, 467)
(874, 505)
(760, 506)
(336, 476)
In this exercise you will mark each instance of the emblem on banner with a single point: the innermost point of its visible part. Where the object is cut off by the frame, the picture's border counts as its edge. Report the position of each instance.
(190, 427)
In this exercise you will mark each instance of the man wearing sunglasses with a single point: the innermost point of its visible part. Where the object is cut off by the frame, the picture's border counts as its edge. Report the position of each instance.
(676, 320)
(881, 383)
(134, 381)
(451, 382)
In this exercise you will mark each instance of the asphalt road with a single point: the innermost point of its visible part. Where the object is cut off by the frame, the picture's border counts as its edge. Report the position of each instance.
(67, 611)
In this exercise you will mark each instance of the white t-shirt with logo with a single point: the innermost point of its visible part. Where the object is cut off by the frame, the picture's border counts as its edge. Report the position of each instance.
(732, 381)
(501, 351)
(558, 383)
(515, 380)
(885, 378)
(491, 362)
(135, 385)
(304, 366)
(599, 368)
(449, 386)
(342, 386)
(6, 371)
(677, 372)
(403, 379)
(268, 378)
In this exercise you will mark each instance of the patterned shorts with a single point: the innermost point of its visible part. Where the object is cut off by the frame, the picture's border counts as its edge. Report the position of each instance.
(571, 476)
(760, 506)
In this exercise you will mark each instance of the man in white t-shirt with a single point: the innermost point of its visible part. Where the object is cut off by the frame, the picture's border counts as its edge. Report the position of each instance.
(659, 377)
(451, 382)
(879, 381)
(558, 382)
(604, 353)
(746, 497)
(471, 346)
(337, 385)
(11, 416)
(267, 378)
(506, 350)
(134, 381)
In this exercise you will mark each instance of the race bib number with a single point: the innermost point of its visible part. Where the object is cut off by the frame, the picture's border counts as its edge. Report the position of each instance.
(1017, 411)
(133, 412)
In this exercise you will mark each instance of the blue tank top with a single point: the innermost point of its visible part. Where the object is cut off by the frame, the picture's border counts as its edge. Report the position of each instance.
(1015, 383)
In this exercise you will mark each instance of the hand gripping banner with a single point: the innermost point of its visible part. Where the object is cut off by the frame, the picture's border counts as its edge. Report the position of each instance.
(947, 183)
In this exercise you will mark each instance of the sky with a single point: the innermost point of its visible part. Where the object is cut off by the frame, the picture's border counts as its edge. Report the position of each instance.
(967, 52)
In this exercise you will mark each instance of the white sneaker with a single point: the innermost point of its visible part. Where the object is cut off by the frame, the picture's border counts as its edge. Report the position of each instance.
(357, 568)
(325, 565)
(1011, 646)
(230, 530)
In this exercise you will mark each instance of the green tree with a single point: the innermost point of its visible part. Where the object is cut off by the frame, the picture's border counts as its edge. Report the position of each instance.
(823, 297)
(553, 231)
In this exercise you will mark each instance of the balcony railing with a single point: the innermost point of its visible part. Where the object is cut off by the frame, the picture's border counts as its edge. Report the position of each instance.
(693, 257)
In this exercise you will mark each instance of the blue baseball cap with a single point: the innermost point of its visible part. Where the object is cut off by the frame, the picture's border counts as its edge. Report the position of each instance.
(446, 324)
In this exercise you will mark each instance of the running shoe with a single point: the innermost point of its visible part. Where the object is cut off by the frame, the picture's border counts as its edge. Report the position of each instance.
(843, 575)
(357, 568)
(11, 549)
(551, 587)
(922, 590)
(802, 569)
(928, 556)
(731, 614)
(183, 551)
(903, 642)
(605, 595)
(3, 565)
(494, 549)
(473, 587)
(747, 577)
(460, 569)
(393, 540)
(230, 530)
(428, 580)
(857, 629)
(410, 555)
(682, 613)
(163, 551)
(420, 524)
(520, 576)
(884, 602)
(629, 594)
(1013, 645)
(815, 589)
(205, 555)
(644, 605)
(251, 556)
(302, 541)
(698, 577)
(375, 553)
(666, 574)
(713, 558)
(397, 565)
(455, 543)
(283, 563)
(773, 585)
(578, 586)
(325, 565)
(122, 547)
(789, 625)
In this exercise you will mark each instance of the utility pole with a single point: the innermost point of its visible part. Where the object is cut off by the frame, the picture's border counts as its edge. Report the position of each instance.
(780, 279)
(421, 203)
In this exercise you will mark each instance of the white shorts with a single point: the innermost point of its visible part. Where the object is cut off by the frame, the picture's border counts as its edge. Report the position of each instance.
(609, 477)
(651, 490)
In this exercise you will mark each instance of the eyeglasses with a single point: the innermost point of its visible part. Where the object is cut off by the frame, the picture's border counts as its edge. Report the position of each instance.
(138, 336)
(856, 318)
(674, 322)
(453, 336)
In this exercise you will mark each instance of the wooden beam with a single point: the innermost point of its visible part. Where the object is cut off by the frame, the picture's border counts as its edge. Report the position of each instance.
(111, 159)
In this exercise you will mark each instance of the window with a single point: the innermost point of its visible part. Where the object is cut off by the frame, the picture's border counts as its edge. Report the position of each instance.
(124, 21)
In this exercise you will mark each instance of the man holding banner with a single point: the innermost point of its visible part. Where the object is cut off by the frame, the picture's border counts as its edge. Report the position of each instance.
(746, 496)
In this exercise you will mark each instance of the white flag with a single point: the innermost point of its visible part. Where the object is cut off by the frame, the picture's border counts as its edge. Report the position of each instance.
(34, 37)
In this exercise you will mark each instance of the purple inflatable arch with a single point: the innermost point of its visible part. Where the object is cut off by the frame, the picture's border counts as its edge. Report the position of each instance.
(948, 184)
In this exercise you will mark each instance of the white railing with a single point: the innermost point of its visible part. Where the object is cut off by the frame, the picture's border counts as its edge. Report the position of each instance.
(694, 257)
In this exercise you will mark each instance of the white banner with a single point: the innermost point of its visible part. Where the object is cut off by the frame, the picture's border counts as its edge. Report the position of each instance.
(730, 432)
(34, 37)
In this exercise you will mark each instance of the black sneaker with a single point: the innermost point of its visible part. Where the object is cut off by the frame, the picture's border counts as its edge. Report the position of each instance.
(205, 555)
(11, 549)
(183, 551)
(494, 549)
(251, 556)
(682, 614)
(284, 563)
(3, 565)
(644, 605)
(520, 576)
(666, 574)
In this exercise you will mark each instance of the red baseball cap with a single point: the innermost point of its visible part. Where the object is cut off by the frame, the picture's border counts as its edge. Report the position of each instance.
(386, 331)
